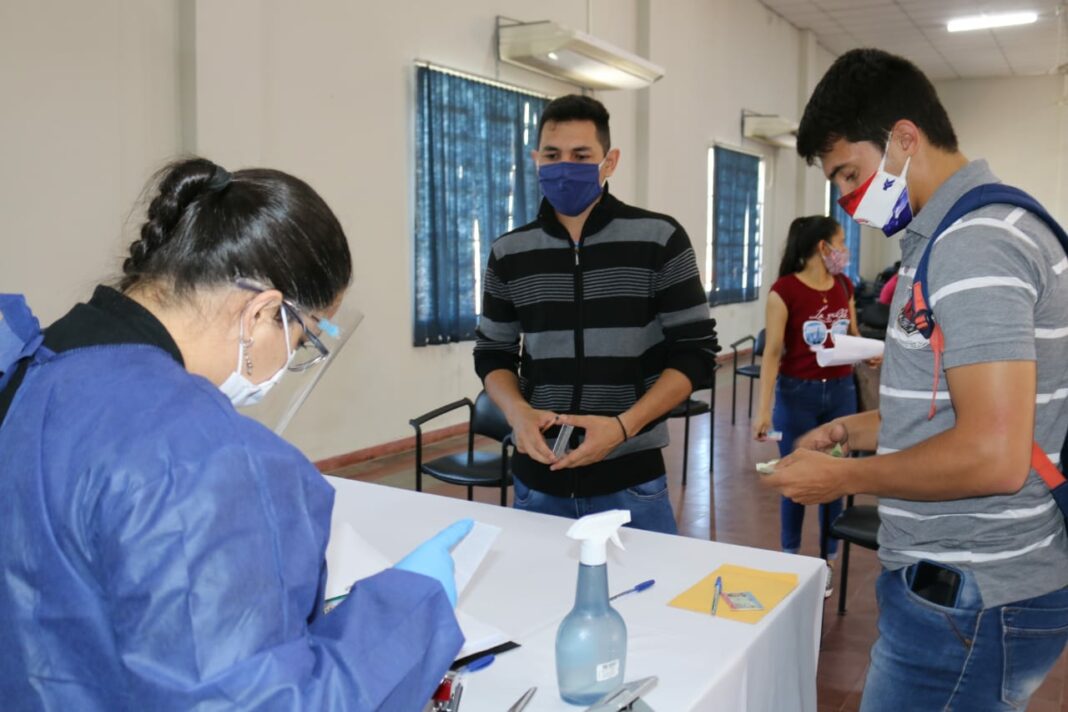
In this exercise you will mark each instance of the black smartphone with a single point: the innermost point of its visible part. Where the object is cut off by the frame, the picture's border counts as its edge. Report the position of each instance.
(936, 583)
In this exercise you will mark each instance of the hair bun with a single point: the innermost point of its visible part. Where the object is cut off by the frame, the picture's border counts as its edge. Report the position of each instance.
(179, 185)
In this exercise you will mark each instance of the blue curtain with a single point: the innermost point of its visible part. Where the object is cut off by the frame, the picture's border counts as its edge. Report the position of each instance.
(736, 237)
(852, 233)
(474, 182)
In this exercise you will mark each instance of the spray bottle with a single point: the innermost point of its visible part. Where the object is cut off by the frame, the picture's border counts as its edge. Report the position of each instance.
(591, 643)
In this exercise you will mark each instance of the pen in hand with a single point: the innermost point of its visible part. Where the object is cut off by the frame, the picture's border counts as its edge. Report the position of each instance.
(636, 589)
(716, 593)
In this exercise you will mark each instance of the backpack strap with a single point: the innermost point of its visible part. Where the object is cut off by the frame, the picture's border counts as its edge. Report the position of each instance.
(918, 309)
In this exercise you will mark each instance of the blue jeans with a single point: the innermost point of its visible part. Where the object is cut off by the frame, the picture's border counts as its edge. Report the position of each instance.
(800, 406)
(932, 657)
(649, 506)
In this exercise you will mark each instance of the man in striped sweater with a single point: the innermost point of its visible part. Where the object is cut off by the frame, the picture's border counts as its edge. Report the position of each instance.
(973, 604)
(593, 316)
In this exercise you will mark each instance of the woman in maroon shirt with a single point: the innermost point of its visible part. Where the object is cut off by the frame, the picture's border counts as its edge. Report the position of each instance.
(811, 300)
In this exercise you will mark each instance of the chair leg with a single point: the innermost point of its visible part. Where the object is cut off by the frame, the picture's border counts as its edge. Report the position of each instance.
(686, 449)
(470, 493)
(751, 380)
(844, 579)
(734, 395)
(504, 493)
(711, 430)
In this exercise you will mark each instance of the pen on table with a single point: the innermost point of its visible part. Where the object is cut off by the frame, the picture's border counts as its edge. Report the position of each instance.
(716, 593)
(635, 589)
(484, 662)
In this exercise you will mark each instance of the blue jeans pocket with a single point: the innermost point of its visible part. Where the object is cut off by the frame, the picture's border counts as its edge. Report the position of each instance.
(651, 490)
(1033, 639)
(522, 494)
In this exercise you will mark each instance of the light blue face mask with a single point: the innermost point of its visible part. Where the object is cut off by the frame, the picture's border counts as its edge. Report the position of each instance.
(243, 392)
(570, 187)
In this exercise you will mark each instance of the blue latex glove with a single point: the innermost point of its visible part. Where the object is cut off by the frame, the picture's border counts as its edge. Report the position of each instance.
(433, 557)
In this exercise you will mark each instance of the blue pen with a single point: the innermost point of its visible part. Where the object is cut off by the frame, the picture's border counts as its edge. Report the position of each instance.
(716, 593)
(637, 589)
(483, 662)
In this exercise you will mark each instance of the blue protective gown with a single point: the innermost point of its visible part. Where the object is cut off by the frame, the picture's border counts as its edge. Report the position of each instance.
(162, 552)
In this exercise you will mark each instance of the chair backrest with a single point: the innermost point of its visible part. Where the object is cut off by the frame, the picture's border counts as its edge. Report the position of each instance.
(758, 346)
(487, 419)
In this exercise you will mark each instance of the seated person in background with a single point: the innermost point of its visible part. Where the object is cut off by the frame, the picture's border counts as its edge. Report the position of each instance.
(886, 294)
(811, 301)
(615, 330)
(160, 550)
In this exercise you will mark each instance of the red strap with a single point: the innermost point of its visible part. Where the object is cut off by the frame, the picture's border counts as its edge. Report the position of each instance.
(1045, 468)
(938, 345)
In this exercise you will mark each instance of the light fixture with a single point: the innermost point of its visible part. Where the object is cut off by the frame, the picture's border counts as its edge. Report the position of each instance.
(987, 22)
(771, 129)
(575, 57)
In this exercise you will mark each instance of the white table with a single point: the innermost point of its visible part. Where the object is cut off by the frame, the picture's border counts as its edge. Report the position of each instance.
(527, 584)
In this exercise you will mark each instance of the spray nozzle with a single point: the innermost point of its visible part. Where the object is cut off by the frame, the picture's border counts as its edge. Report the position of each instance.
(594, 531)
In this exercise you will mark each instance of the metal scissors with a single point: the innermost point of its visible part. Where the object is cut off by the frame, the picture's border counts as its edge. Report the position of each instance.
(523, 701)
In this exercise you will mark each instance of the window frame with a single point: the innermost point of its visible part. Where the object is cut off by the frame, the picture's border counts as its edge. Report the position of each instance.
(756, 272)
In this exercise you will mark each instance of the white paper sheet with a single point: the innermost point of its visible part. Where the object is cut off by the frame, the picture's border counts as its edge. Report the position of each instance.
(478, 635)
(349, 557)
(848, 350)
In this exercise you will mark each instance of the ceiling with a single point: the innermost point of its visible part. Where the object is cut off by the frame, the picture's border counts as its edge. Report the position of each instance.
(916, 29)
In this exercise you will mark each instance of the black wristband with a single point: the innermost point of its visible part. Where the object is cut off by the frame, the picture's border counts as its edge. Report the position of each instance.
(623, 428)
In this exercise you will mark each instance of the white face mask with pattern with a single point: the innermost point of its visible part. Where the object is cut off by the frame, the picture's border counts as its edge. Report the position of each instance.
(243, 392)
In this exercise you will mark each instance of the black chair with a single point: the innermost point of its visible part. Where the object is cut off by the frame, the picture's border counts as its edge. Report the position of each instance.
(873, 320)
(750, 370)
(690, 408)
(474, 468)
(857, 524)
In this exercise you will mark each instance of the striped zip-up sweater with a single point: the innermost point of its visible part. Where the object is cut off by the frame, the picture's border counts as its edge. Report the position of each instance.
(590, 327)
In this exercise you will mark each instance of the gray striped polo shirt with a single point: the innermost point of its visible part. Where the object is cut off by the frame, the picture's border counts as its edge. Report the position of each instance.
(998, 289)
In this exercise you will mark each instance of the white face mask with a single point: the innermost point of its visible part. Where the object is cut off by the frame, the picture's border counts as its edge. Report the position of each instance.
(243, 392)
(883, 201)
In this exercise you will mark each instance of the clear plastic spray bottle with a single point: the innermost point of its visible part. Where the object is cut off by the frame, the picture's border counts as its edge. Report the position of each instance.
(591, 643)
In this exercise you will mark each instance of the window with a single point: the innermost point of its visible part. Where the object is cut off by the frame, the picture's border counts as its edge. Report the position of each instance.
(851, 228)
(734, 238)
(474, 180)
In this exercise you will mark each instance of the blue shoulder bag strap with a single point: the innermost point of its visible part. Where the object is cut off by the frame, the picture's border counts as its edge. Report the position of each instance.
(918, 309)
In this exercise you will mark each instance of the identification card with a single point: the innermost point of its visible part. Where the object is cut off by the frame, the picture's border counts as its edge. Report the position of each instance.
(742, 601)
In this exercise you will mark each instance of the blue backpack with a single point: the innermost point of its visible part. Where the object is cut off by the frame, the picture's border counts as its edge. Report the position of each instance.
(918, 310)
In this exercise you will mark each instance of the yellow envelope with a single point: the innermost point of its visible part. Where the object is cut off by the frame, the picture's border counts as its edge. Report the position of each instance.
(767, 586)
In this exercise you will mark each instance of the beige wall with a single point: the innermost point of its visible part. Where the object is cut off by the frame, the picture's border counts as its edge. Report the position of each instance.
(90, 110)
(1020, 125)
(324, 89)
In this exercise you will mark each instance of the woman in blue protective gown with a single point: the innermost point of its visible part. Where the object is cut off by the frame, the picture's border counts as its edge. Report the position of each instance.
(159, 550)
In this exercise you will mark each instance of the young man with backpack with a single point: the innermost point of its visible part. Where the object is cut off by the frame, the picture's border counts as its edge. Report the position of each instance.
(973, 604)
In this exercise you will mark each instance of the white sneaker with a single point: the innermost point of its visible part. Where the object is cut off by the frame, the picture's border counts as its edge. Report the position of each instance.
(830, 582)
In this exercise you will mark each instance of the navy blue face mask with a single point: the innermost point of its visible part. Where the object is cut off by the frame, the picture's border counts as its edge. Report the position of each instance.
(570, 187)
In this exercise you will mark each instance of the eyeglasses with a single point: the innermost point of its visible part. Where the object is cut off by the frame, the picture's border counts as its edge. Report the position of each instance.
(311, 350)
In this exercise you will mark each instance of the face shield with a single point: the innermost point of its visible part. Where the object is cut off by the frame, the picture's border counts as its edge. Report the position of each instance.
(321, 340)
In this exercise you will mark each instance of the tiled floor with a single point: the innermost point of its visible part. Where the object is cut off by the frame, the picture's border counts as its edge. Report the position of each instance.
(736, 509)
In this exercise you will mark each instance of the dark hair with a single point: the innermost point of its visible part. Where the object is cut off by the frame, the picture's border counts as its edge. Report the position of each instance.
(207, 227)
(804, 239)
(575, 107)
(862, 96)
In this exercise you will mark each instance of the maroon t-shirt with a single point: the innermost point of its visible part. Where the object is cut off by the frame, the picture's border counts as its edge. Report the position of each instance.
(811, 317)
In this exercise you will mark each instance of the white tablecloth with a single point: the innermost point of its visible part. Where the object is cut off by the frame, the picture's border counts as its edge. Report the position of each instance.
(527, 584)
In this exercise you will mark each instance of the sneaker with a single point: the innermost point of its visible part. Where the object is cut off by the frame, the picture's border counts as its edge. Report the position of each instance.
(830, 582)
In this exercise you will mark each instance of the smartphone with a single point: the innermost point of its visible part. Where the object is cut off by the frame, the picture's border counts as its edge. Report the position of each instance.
(936, 583)
(560, 447)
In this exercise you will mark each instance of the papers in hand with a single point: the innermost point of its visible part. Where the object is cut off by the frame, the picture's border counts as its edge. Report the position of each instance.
(350, 557)
(848, 350)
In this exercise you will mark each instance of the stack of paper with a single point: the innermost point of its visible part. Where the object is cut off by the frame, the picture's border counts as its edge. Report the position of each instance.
(848, 350)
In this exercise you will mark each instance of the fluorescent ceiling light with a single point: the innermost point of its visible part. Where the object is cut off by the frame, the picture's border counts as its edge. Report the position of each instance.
(573, 56)
(986, 22)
